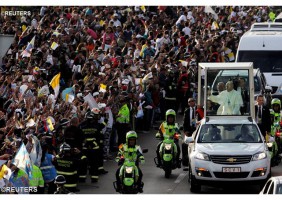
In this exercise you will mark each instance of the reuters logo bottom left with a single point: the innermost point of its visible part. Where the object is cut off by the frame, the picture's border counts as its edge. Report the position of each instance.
(18, 189)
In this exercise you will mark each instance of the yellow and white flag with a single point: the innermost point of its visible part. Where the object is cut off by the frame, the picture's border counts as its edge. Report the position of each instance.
(54, 45)
(103, 88)
(143, 8)
(55, 83)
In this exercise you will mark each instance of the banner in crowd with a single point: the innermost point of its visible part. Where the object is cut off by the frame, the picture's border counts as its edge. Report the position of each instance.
(36, 152)
(55, 83)
(22, 160)
(91, 101)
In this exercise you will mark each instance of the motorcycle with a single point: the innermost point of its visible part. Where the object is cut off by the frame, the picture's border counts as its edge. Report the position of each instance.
(274, 145)
(168, 152)
(128, 175)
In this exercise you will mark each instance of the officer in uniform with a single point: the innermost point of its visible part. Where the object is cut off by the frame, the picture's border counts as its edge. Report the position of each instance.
(74, 136)
(170, 91)
(66, 164)
(60, 182)
(91, 147)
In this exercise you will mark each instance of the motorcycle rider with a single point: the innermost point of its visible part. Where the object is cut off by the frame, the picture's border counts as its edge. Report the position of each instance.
(125, 152)
(275, 119)
(170, 128)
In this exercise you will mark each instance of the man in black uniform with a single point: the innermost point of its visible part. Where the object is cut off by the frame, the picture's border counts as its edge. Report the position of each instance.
(171, 91)
(74, 136)
(60, 182)
(66, 164)
(92, 130)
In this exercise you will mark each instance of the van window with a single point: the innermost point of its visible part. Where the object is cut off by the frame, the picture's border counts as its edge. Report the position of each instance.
(266, 61)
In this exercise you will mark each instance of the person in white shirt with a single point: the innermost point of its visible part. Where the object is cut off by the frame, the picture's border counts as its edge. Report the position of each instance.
(182, 17)
(187, 30)
(116, 21)
(229, 99)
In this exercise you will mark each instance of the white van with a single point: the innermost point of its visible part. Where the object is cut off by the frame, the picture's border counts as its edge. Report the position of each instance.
(262, 45)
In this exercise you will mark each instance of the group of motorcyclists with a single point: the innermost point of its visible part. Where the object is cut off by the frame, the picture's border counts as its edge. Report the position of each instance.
(169, 129)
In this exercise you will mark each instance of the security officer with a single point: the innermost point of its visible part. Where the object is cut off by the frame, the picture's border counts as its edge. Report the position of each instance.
(66, 164)
(37, 180)
(170, 91)
(93, 135)
(60, 182)
(169, 128)
(74, 136)
(133, 152)
(122, 120)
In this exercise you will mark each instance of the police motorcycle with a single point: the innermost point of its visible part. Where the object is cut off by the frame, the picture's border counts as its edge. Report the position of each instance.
(274, 141)
(167, 150)
(128, 173)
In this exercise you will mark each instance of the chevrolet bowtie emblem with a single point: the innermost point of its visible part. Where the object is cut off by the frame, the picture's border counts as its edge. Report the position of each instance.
(231, 159)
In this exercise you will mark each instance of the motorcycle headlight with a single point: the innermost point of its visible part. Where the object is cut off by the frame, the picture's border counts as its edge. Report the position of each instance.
(202, 156)
(128, 170)
(167, 146)
(259, 156)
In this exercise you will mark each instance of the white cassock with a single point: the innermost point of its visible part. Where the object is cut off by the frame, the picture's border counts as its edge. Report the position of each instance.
(230, 102)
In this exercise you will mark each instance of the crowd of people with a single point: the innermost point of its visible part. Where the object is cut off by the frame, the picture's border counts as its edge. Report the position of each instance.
(120, 68)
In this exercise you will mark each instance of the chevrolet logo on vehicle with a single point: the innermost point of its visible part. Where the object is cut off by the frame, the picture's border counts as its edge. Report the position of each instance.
(231, 159)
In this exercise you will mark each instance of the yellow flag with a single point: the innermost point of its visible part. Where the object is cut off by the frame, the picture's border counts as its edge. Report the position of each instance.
(143, 8)
(50, 125)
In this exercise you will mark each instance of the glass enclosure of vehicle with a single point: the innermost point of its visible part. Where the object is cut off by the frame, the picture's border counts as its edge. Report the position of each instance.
(228, 92)
(229, 133)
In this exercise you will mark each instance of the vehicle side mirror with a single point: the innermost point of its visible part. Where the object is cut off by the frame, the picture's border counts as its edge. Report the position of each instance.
(189, 140)
(268, 88)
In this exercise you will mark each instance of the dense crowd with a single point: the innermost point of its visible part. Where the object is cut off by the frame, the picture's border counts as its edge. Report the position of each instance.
(133, 63)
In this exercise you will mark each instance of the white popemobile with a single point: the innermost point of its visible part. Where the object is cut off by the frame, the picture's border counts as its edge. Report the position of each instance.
(227, 148)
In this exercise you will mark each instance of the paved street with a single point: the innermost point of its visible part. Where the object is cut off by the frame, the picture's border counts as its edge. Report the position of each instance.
(154, 180)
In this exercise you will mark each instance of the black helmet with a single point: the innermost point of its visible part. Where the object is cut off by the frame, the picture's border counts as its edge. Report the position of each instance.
(89, 115)
(64, 121)
(65, 147)
(60, 179)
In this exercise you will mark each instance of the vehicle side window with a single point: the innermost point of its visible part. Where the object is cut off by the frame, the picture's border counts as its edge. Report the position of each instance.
(279, 189)
(270, 191)
(266, 187)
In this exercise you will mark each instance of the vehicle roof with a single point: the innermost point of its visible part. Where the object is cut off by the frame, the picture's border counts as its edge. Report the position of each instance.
(261, 41)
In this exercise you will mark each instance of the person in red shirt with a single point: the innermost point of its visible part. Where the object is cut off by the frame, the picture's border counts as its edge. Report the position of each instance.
(183, 88)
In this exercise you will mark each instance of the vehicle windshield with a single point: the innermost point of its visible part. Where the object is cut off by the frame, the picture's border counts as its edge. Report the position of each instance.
(229, 133)
(267, 61)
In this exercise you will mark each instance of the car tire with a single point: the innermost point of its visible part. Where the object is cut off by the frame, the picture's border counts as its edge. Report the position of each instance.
(194, 186)
(184, 154)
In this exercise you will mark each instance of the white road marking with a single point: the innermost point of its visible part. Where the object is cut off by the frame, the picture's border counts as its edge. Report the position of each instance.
(180, 177)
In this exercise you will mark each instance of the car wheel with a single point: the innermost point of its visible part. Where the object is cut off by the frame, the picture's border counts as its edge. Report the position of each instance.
(184, 154)
(189, 174)
(194, 186)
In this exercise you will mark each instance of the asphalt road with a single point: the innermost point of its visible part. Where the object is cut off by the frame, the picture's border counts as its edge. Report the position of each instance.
(154, 180)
